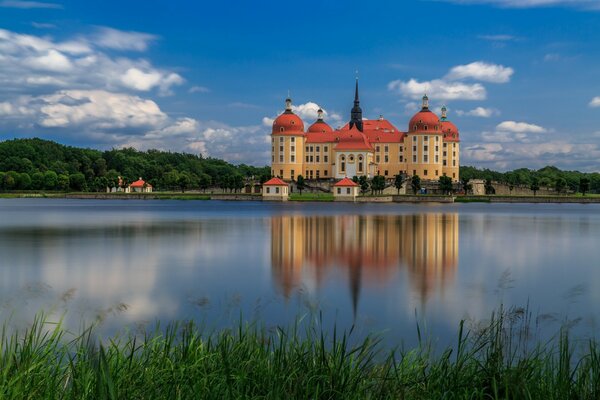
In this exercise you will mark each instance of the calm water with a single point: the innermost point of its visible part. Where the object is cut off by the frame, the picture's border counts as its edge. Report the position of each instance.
(382, 267)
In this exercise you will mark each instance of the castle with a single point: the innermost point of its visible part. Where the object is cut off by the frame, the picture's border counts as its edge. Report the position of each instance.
(429, 148)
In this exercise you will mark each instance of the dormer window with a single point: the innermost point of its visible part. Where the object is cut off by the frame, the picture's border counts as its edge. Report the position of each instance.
(415, 128)
(281, 129)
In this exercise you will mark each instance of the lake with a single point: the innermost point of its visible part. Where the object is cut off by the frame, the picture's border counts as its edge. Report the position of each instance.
(127, 264)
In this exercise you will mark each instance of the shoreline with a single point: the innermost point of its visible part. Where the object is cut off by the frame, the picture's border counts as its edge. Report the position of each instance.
(310, 197)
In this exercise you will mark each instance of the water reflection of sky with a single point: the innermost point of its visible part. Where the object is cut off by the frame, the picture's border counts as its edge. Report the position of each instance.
(380, 266)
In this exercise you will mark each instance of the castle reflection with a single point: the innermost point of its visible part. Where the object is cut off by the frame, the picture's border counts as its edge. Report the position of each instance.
(366, 248)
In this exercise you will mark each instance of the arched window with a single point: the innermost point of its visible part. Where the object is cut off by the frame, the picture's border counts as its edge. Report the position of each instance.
(414, 128)
(351, 158)
(281, 129)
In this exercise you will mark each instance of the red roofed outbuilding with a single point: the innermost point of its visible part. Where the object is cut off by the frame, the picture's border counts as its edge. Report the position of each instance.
(139, 186)
(275, 189)
(345, 190)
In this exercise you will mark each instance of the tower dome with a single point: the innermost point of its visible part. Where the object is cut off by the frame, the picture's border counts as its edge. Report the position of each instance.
(288, 122)
(424, 120)
(448, 128)
(320, 125)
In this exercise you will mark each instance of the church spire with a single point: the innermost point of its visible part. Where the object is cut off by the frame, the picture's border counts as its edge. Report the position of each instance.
(356, 112)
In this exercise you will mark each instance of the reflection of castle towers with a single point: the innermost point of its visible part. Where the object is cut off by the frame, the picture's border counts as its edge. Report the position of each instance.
(304, 249)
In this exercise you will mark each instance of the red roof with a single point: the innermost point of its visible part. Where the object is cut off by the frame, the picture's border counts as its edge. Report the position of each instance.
(375, 131)
(275, 182)
(346, 182)
(425, 121)
(288, 122)
(320, 127)
(140, 183)
(352, 139)
(450, 131)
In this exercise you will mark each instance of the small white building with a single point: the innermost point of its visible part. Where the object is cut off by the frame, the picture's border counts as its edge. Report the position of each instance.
(275, 189)
(139, 186)
(345, 190)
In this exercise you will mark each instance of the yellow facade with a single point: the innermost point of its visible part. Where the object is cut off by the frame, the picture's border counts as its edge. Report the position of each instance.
(430, 148)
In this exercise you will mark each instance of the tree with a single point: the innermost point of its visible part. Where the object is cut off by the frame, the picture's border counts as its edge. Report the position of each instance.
(415, 183)
(62, 182)
(377, 184)
(560, 185)
(237, 182)
(50, 180)
(100, 166)
(24, 181)
(204, 181)
(584, 185)
(446, 184)
(100, 184)
(535, 186)
(37, 181)
(489, 188)
(171, 179)
(398, 181)
(11, 180)
(77, 182)
(467, 187)
(364, 184)
(183, 181)
(300, 183)
(2, 174)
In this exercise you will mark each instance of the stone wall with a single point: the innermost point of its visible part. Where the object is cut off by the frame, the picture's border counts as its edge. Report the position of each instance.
(503, 189)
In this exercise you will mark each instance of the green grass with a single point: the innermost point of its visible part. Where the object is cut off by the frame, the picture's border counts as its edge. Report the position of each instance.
(296, 363)
(18, 195)
(471, 199)
(311, 196)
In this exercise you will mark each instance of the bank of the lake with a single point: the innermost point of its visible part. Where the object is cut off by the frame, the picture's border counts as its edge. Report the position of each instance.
(184, 361)
(310, 197)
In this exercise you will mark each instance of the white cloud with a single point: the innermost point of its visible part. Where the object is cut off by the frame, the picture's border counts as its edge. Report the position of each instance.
(98, 109)
(519, 127)
(6, 108)
(30, 60)
(199, 89)
(139, 80)
(595, 102)
(451, 86)
(42, 25)
(439, 89)
(308, 113)
(498, 38)
(481, 112)
(52, 60)
(552, 57)
(28, 4)
(123, 40)
(482, 152)
(481, 71)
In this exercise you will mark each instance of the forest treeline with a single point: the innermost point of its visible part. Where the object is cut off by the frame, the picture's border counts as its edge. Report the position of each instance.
(36, 164)
(549, 176)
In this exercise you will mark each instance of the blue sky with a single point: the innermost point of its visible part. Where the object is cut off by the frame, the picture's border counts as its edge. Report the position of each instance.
(520, 77)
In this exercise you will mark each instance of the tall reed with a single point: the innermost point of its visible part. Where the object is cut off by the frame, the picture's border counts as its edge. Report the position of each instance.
(497, 361)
